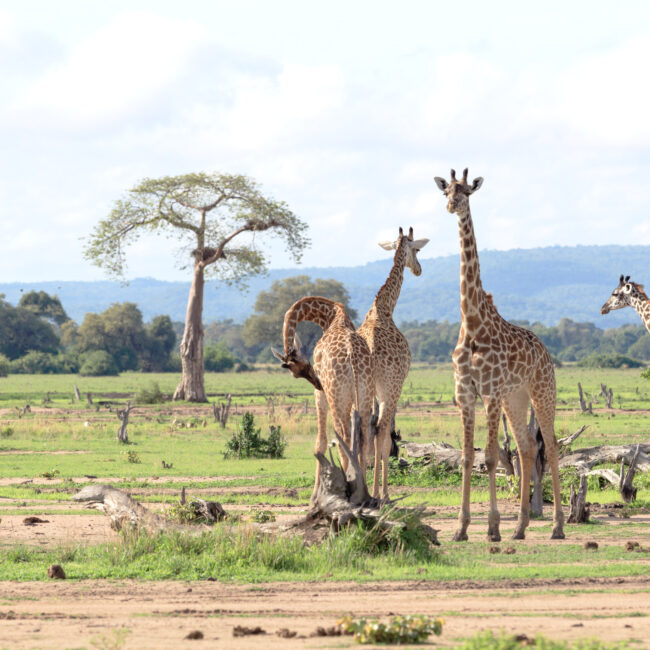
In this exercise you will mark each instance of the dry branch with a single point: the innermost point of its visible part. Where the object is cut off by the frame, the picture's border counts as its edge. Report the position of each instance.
(591, 456)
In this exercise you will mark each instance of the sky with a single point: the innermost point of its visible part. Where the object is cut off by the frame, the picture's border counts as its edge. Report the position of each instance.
(344, 110)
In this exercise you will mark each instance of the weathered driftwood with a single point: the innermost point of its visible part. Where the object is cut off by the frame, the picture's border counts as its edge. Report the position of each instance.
(125, 513)
(588, 457)
(343, 496)
(578, 508)
(623, 481)
(567, 441)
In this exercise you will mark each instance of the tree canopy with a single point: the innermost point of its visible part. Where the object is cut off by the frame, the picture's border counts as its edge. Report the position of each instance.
(45, 306)
(264, 327)
(208, 211)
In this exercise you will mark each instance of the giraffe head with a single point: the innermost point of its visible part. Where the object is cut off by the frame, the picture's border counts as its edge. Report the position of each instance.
(413, 247)
(623, 294)
(298, 364)
(457, 192)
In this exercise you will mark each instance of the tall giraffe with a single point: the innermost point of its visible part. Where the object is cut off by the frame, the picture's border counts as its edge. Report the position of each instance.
(629, 294)
(389, 347)
(506, 365)
(343, 373)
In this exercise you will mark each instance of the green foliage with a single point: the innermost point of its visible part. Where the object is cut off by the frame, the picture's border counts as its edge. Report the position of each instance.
(150, 394)
(6, 431)
(399, 630)
(5, 365)
(98, 363)
(217, 358)
(248, 442)
(608, 361)
(133, 457)
(22, 330)
(159, 342)
(263, 516)
(44, 305)
(50, 474)
(422, 472)
(264, 327)
(44, 363)
(203, 209)
(487, 640)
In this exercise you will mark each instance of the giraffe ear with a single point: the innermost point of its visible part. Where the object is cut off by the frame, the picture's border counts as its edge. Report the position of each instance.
(277, 354)
(441, 183)
(418, 244)
(476, 183)
(388, 245)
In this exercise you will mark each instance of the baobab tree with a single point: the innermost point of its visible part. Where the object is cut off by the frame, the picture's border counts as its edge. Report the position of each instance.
(207, 212)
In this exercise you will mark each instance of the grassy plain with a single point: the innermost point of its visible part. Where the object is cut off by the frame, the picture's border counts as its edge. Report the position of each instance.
(48, 453)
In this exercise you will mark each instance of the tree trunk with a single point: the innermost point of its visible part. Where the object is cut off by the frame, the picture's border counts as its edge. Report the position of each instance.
(191, 387)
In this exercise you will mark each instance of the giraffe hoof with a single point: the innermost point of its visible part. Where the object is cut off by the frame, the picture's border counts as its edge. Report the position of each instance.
(460, 537)
(519, 534)
(558, 534)
(493, 537)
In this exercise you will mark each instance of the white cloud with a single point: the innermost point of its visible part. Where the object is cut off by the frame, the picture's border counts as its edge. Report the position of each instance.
(111, 73)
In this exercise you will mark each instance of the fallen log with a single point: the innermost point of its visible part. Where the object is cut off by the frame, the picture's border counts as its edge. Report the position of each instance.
(590, 456)
(127, 514)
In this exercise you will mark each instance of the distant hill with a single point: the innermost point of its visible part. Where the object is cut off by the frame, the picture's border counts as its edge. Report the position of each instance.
(538, 284)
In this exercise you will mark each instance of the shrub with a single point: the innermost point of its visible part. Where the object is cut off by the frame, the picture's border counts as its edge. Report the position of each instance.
(609, 361)
(41, 363)
(217, 358)
(399, 630)
(5, 365)
(98, 363)
(150, 394)
(248, 442)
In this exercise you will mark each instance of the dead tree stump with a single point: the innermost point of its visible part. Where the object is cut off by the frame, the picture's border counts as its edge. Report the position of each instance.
(123, 416)
(77, 394)
(222, 411)
(583, 406)
(89, 399)
(578, 509)
(628, 492)
(608, 394)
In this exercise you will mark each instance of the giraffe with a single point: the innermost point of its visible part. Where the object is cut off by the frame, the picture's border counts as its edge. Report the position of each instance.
(343, 374)
(389, 347)
(506, 366)
(629, 294)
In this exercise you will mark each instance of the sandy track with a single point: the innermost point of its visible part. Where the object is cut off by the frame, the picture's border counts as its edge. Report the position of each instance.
(160, 615)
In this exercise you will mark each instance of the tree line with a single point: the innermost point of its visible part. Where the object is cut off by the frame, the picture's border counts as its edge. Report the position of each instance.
(36, 336)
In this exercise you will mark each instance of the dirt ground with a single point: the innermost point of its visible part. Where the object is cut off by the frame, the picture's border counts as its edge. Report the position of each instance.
(90, 614)
(162, 614)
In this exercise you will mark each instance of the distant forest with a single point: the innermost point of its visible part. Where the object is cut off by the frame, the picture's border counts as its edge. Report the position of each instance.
(37, 336)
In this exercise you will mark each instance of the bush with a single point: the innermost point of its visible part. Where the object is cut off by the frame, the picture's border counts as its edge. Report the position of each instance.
(248, 442)
(150, 394)
(609, 361)
(5, 365)
(43, 363)
(98, 363)
(217, 358)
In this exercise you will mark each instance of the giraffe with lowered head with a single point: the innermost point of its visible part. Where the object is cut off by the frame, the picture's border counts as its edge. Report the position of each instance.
(506, 366)
(629, 294)
(389, 347)
(343, 373)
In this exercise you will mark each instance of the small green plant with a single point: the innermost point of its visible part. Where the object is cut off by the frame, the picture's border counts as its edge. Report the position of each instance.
(50, 474)
(183, 513)
(133, 457)
(262, 516)
(150, 394)
(399, 630)
(248, 441)
(6, 432)
(488, 641)
(113, 640)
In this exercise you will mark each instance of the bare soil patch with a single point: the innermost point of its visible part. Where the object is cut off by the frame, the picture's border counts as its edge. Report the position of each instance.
(161, 615)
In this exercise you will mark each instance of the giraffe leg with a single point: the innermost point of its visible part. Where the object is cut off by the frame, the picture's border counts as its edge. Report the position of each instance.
(493, 412)
(516, 407)
(466, 398)
(543, 398)
(321, 440)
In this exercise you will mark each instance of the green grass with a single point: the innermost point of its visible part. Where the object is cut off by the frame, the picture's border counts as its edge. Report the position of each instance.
(239, 554)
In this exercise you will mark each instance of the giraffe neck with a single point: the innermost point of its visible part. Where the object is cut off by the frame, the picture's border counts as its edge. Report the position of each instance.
(642, 307)
(321, 311)
(387, 296)
(472, 295)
